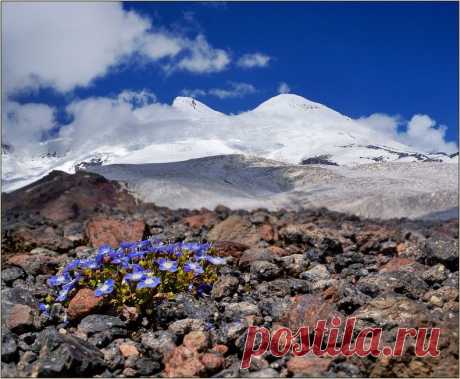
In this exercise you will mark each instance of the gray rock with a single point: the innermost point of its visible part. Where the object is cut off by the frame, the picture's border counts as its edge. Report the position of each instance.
(452, 280)
(43, 251)
(441, 249)
(351, 298)
(99, 323)
(9, 370)
(241, 309)
(147, 366)
(436, 274)
(225, 286)
(102, 339)
(63, 355)
(316, 273)
(232, 331)
(161, 342)
(182, 327)
(294, 264)
(404, 282)
(112, 356)
(274, 307)
(10, 274)
(11, 298)
(264, 373)
(265, 270)
(9, 346)
(278, 287)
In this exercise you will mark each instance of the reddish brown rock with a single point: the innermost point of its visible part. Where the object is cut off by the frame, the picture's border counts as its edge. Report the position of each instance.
(196, 340)
(83, 303)
(26, 238)
(266, 232)
(228, 248)
(278, 251)
(34, 264)
(112, 231)
(130, 313)
(400, 248)
(212, 362)
(20, 318)
(255, 254)
(306, 310)
(402, 264)
(183, 362)
(308, 366)
(203, 219)
(235, 229)
(128, 350)
(221, 349)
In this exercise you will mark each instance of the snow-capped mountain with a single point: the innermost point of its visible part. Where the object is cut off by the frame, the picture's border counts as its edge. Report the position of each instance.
(286, 128)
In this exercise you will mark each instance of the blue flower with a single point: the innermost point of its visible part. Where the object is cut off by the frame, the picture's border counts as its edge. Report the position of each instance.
(214, 260)
(192, 266)
(149, 282)
(105, 288)
(203, 289)
(59, 280)
(44, 309)
(89, 263)
(135, 276)
(123, 261)
(63, 295)
(105, 249)
(167, 265)
(127, 245)
(72, 265)
(136, 255)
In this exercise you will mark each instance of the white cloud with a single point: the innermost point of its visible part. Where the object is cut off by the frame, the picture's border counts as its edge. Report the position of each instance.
(283, 88)
(253, 60)
(202, 58)
(383, 123)
(421, 132)
(236, 89)
(66, 45)
(141, 98)
(25, 125)
(158, 45)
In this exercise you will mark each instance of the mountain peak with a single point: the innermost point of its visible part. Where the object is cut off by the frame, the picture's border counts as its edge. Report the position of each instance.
(193, 106)
(287, 101)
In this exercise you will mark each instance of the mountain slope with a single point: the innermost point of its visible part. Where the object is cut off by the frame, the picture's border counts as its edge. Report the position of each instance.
(384, 190)
(287, 128)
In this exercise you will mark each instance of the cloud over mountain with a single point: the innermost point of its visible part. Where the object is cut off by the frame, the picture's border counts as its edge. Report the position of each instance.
(64, 46)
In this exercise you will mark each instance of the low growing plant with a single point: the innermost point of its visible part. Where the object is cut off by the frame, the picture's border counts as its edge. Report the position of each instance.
(139, 273)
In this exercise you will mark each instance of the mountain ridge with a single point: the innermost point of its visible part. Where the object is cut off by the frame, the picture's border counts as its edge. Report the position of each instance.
(286, 128)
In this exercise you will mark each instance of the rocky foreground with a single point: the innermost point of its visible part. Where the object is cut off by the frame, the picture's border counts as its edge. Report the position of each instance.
(284, 268)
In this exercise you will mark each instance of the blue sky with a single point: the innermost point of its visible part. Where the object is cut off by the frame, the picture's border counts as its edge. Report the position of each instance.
(359, 58)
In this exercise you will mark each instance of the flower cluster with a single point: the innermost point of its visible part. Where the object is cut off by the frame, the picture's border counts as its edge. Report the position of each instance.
(137, 273)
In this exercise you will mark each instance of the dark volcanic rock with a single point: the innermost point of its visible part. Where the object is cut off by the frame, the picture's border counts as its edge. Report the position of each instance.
(284, 268)
(10, 274)
(67, 356)
(9, 347)
(441, 249)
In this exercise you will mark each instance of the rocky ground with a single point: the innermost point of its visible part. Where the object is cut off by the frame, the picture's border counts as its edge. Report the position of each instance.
(284, 268)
